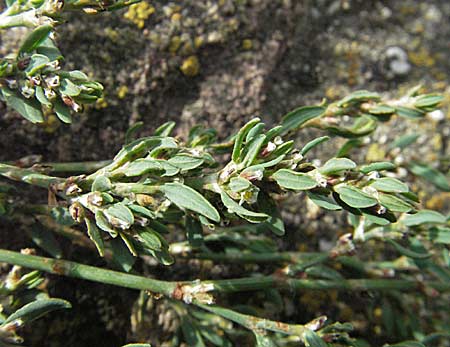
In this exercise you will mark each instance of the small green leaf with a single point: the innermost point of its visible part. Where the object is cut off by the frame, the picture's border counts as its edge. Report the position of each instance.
(137, 345)
(186, 197)
(424, 217)
(431, 175)
(240, 137)
(252, 150)
(389, 185)
(428, 101)
(101, 184)
(394, 204)
(69, 88)
(296, 118)
(48, 48)
(439, 235)
(46, 240)
(294, 180)
(40, 96)
(213, 337)
(358, 96)
(35, 38)
(378, 166)
(119, 216)
(185, 162)
(150, 238)
(191, 333)
(311, 144)
(94, 235)
(408, 252)
(62, 111)
(234, 207)
(36, 309)
(62, 216)
(336, 165)
(165, 129)
(121, 254)
(313, 340)
(37, 63)
(255, 131)
(238, 184)
(382, 110)
(102, 223)
(140, 167)
(355, 197)
(404, 141)
(142, 210)
(28, 108)
(411, 113)
(324, 201)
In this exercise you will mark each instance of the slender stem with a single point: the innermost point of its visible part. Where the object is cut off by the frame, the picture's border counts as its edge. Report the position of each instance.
(72, 269)
(77, 167)
(28, 176)
(87, 272)
(255, 323)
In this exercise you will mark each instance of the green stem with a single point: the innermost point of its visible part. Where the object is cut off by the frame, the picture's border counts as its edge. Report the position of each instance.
(255, 323)
(72, 269)
(28, 176)
(87, 272)
(77, 167)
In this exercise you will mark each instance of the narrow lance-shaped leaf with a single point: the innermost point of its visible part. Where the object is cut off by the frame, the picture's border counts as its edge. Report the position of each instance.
(234, 207)
(408, 252)
(313, 340)
(28, 108)
(35, 38)
(355, 197)
(311, 144)
(300, 116)
(186, 197)
(336, 165)
(294, 180)
(240, 137)
(424, 217)
(389, 185)
(37, 309)
(95, 236)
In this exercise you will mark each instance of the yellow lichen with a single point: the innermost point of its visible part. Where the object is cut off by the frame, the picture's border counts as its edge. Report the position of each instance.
(176, 17)
(422, 58)
(375, 153)
(122, 91)
(199, 41)
(247, 44)
(438, 201)
(175, 43)
(101, 103)
(190, 66)
(377, 312)
(139, 13)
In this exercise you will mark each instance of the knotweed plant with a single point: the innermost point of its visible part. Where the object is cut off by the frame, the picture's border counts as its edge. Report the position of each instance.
(32, 80)
(170, 199)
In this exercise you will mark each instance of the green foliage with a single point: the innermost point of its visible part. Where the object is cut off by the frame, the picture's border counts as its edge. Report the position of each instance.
(222, 201)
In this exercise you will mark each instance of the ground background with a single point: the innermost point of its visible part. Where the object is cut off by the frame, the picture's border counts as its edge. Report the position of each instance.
(220, 63)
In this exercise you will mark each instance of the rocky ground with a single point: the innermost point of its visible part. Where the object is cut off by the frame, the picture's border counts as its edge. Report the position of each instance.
(222, 62)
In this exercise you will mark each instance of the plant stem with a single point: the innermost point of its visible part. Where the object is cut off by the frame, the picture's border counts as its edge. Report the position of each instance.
(28, 176)
(77, 167)
(255, 323)
(87, 272)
